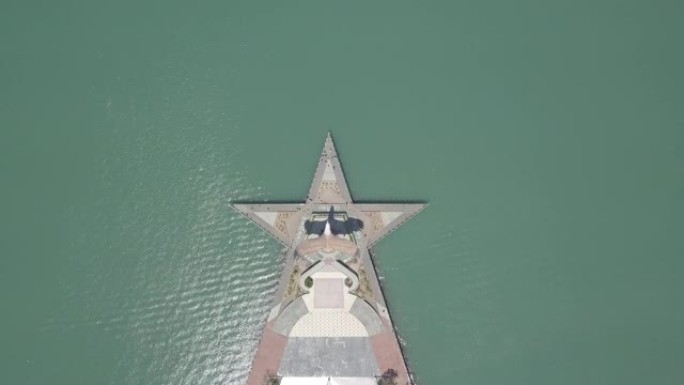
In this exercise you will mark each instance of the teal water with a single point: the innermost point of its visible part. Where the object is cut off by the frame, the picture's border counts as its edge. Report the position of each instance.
(548, 138)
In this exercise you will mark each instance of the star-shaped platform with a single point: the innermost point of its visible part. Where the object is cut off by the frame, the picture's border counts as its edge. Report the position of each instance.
(329, 187)
(329, 317)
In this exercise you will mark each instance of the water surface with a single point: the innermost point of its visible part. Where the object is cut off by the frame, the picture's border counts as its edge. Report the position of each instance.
(547, 137)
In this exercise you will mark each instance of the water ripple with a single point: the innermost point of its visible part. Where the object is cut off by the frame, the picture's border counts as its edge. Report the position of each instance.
(182, 281)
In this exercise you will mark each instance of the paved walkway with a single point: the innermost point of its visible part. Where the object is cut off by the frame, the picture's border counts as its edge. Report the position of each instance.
(329, 356)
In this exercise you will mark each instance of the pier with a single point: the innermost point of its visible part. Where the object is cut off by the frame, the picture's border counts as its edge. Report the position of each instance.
(329, 322)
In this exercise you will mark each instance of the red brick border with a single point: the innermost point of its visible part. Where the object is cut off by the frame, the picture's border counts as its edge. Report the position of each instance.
(268, 356)
(388, 354)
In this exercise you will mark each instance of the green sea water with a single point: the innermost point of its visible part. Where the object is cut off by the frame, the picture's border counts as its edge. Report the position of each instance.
(547, 136)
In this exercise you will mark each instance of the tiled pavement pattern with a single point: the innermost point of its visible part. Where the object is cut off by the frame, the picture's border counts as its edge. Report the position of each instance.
(331, 324)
